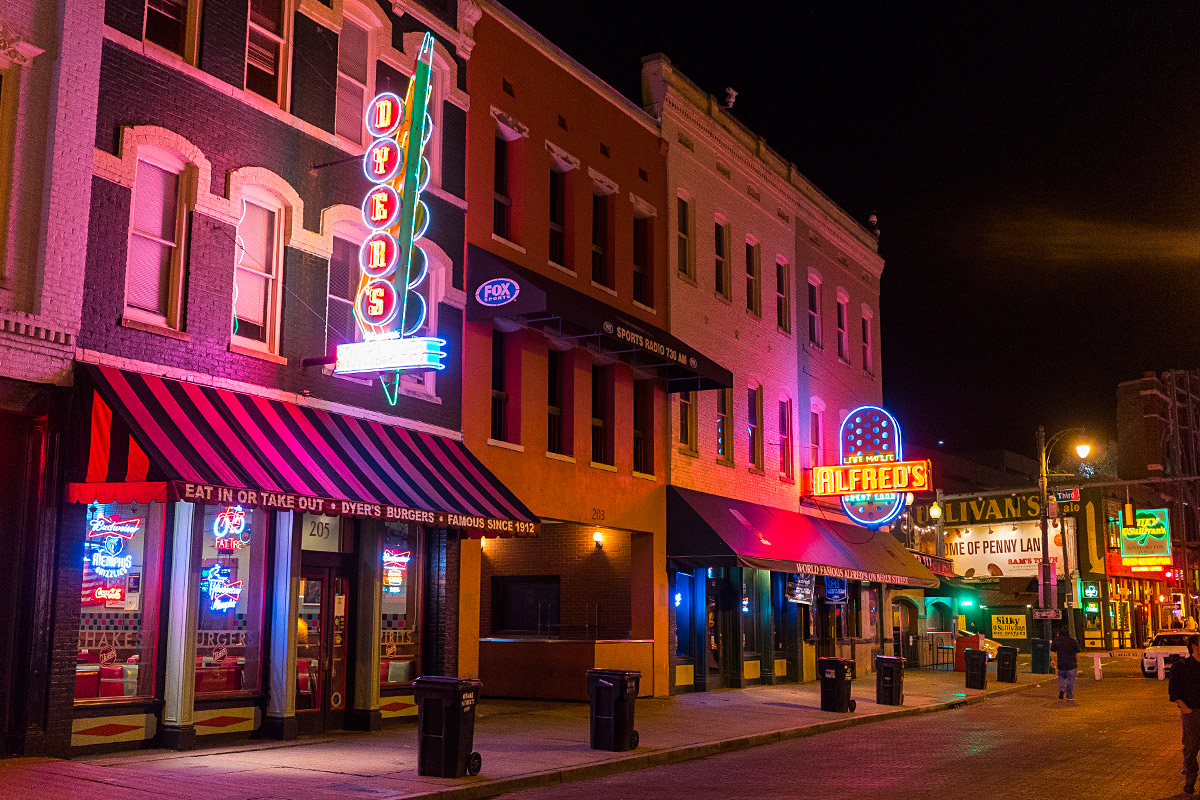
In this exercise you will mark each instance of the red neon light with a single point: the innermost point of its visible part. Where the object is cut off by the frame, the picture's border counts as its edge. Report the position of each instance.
(378, 303)
(228, 545)
(888, 476)
(115, 526)
(109, 593)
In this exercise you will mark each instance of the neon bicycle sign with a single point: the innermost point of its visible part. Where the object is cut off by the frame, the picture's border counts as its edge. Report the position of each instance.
(230, 531)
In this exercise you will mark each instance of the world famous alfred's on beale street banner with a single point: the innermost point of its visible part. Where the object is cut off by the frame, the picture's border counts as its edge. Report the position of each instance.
(389, 306)
(872, 477)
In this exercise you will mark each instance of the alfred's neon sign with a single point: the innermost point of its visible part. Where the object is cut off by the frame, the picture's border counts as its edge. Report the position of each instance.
(872, 479)
(389, 307)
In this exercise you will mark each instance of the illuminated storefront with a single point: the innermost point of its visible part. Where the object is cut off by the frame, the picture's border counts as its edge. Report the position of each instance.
(221, 532)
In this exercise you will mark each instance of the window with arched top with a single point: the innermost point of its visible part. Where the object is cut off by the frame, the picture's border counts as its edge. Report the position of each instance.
(258, 279)
(155, 272)
(816, 431)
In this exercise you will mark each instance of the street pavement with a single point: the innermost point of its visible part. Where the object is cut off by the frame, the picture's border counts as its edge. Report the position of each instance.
(1120, 740)
(1008, 741)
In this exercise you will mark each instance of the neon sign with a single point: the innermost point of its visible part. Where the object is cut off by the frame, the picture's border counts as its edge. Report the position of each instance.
(1150, 535)
(116, 593)
(230, 532)
(107, 559)
(395, 568)
(223, 594)
(389, 307)
(872, 477)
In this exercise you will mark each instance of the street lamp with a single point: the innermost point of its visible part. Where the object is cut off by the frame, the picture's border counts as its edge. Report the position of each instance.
(1044, 572)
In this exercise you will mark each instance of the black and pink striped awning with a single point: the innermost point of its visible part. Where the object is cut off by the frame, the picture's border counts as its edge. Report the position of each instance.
(154, 439)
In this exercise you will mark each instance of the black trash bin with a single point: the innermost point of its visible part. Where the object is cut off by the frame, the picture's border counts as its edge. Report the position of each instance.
(446, 726)
(889, 680)
(976, 661)
(1040, 662)
(613, 694)
(835, 684)
(1006, 664)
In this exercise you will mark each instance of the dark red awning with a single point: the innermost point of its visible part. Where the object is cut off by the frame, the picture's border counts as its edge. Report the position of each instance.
(151, 437)
(710, 530)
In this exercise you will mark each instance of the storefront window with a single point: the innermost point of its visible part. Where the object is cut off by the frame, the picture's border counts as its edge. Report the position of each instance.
(233, 548)
(870, 613)
(749, 613)
(118, 623)
(681, 602)
(398, 631)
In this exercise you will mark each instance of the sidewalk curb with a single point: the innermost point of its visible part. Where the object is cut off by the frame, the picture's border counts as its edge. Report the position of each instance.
(484, 788)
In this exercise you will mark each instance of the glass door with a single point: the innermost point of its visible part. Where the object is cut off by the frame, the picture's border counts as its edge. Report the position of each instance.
(322, 650)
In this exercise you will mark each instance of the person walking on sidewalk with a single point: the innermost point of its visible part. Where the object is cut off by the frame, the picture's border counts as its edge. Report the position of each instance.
(1068, 664)
(1183, 689)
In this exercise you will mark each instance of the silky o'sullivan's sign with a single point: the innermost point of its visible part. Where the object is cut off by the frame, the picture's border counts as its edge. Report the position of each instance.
(872, 478)
(1009, 626)
(1149, 536)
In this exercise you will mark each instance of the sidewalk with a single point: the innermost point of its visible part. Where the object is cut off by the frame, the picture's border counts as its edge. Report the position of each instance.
(524, 744)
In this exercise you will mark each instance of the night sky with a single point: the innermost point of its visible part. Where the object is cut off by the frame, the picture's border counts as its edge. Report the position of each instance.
(1035, 169)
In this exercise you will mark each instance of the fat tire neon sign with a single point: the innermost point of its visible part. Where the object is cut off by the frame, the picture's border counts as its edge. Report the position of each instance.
(389, 307)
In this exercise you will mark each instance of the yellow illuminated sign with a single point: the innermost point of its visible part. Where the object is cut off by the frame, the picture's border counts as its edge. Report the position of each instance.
(866, 478)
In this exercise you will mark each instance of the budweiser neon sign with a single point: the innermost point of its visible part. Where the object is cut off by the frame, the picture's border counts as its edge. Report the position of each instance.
(395, 567)
(107, 558)
(223, 594)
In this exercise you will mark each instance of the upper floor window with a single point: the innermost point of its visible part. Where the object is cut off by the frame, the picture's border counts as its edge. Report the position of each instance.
(602, 414)
(258, 283)
(167, 24)
(154, 280)
(264, 49)
(683, 238)
(753, 279)
(721, 278)
(814, 311)
(786, 467)
(724, 444)
(687, 421)
(843, 330)
(352, 81)
(814, 437)
(601, 236)
(754, 427)
(559, 404)
(643, 275)
(342, 326)
(783, 296)
(501, 193)
(500, 388)
(558, 217)
(643, 427)
(868, 360)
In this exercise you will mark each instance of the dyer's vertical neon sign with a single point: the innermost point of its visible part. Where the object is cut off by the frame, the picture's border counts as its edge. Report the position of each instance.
(389, 306)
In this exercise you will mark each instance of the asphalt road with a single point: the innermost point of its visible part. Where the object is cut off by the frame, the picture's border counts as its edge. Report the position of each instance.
(1120, 739)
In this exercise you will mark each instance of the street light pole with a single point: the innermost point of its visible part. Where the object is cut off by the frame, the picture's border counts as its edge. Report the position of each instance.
(1043, 573)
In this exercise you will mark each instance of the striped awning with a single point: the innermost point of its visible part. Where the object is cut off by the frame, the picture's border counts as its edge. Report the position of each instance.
(154, 439)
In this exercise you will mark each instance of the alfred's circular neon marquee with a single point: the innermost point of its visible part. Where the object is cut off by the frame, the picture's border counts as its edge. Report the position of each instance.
(871, 478)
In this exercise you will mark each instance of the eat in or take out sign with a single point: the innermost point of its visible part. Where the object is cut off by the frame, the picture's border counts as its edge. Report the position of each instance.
(872, 478)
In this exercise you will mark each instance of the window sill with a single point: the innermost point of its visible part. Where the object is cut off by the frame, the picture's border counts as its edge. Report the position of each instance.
(687, 277)
(645, 476)
(869, 375)
(562, 269)
(756, 470)
(516, 448)
(644, 307)
(786, 479)
(753, 313)
(254, 352)
(721, 462)
(151, 327)
(723, 298)
(508, 243)
(560, 457)
(785, 331)
(842, 360)
(813, 347)
(687, 451)
(605, 467)
(604, 288)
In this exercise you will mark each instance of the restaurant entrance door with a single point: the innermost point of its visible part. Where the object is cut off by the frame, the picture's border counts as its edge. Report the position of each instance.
(323, 649)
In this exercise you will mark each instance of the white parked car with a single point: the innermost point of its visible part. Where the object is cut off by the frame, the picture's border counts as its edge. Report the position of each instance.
(1171, 645)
